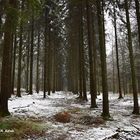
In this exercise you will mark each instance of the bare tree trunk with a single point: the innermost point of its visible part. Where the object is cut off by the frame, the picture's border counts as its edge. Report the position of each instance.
(132, 65)
(28, 61)
(113, 71)
(19, 63)
(37, 66)
(105, 105)
(45, 54)
(20, 55)
(54, 69)
(14, 62)
(138, 17)
(90, 50)
(94, 57)
(83, 92)
(48, 62)
(6, 62)
(31, 55)
(117, 54)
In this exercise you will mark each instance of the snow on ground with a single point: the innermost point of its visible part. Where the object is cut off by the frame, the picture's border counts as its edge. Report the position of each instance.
(35, 105)
(83, 125)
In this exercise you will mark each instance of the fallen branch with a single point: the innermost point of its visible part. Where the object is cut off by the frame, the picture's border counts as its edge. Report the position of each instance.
(115, 135)
(136, 127)
(23, 106)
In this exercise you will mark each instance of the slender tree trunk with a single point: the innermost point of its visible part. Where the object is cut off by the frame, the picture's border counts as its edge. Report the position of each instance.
(82, 58)
(138, 17)
(19, 64)
(124, 70)
(80, 65)
(20, 56)
(54, 67)
(48, 62)
(14, 62)
(37, 66)
(90, 50)
(31, 55)
(45, 55)
(94, 58)
(81, 47)
(105, 105)
(132, 65)
(113, 70)
(1, 14)
(11, 61)
(98, 77)
(28, 61)
(117, 55)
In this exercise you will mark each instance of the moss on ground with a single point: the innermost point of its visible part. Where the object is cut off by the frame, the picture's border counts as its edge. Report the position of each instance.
(14, 128)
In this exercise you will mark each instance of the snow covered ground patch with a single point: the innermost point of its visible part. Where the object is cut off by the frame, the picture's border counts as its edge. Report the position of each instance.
(35, 105)
(86, 123)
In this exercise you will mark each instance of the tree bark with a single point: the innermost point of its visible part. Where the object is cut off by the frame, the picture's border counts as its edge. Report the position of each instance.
(138, 17)
(6, 62)
(20, 55)
(90, 52)
(82, 82)
(105, 105)
(132, 65)
(31, 55)
(117, 54)
(48, 61)
(37, 66)
(14, 62)
(45, 53)
(28, 61)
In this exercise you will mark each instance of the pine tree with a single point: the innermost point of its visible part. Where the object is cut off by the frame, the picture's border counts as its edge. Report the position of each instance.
(117, 52)
(31, 54)
(132, 64)
(6, 62)
(90, 50)
(105, 105)
(20, 54)
(137, 3)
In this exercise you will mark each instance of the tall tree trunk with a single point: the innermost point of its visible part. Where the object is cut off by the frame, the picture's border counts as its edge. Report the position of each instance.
(137, 4)
(83, 72)
(117, 54)
(113, 71)
(19, 64)
(94, 57)
(132, 65)
(28, 61)
(1, 14)
(83, 92)
(80, 63)
(20, 55)
(48, 62)
(54, 67)
(31, 55)
(105, 105)
(90, 50)
(123, 69)
(14, 62)
(11, 61)
(6, 62)
(45, 54)
(37, 66)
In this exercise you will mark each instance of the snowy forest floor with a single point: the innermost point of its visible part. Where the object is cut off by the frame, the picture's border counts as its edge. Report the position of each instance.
(33, 117)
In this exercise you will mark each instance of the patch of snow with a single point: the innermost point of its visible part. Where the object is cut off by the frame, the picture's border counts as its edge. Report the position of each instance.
(123, 121)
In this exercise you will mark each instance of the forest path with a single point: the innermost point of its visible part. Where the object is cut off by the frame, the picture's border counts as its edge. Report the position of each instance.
(83, 123)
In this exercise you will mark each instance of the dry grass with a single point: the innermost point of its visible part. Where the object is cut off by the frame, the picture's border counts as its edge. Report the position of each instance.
(19, 129)
(63, 117)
